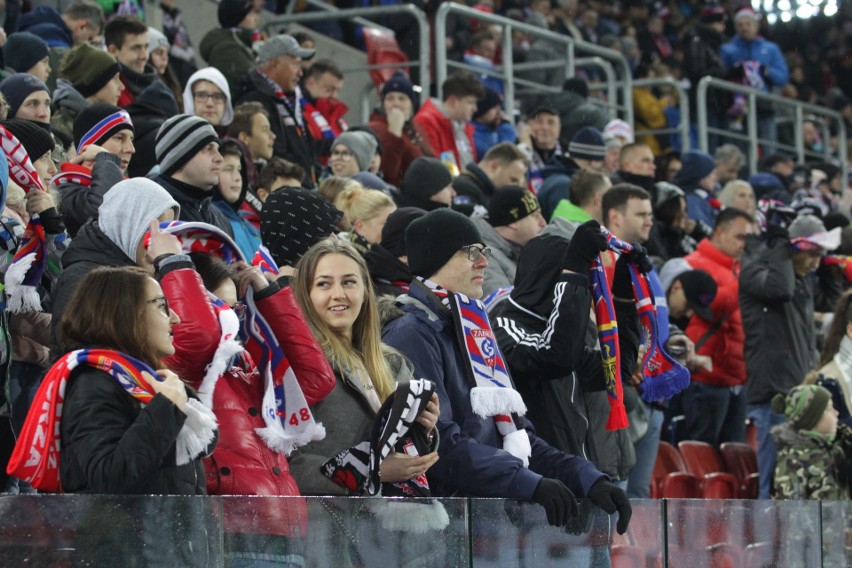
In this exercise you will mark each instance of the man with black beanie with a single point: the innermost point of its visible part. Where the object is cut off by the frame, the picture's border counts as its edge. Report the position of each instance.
(514, 217)
(427, 184)
(228, 48)
(188, 154)
(484, 453)
(103, 136)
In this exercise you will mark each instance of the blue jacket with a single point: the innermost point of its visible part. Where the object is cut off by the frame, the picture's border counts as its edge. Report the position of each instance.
(246, 235)
(484, 137)
(472, 461)
(699, 209)
(47, 23)
(763, 51)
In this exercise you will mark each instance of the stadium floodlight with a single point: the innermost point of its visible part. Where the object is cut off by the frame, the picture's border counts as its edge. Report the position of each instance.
(786, 10)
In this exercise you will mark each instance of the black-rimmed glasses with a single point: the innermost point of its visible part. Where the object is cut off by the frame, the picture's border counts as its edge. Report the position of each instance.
(474, 252)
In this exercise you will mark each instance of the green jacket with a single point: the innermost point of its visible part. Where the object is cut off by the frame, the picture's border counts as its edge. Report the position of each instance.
(230, 52)
(570, 212)
(807, 466)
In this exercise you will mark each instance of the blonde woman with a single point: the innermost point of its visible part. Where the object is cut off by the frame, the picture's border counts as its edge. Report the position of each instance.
(335, 293)
(740, 195)
(367, 211)
(332, 188)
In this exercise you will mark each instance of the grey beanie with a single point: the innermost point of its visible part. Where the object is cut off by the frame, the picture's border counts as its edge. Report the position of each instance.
(359, 143)
(129, 207)
(179, 139)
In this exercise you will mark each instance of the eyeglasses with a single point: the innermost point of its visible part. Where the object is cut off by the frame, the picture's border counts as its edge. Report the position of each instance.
(162, 303)
(202, 96)
(345, 154)
(474, 252)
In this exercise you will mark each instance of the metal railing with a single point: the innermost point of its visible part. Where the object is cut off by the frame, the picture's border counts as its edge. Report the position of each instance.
(275, 24)
(796, 109)
(326, 7)
(564, 44)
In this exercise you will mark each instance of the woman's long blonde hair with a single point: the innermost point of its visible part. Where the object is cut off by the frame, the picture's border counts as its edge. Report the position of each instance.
(363, 204)
(366, 353)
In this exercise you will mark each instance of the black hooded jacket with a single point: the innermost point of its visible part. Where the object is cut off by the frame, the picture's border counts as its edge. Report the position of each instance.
(541, 331)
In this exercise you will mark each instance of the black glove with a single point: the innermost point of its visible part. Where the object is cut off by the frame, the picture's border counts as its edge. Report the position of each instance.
(622, 283)
(582, 523)
(586, 245)
(611, 499)
(558, 501)
(775, 233)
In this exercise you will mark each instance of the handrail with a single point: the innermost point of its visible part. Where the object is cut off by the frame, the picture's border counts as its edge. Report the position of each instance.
(336, 14)
(326, 7)
(610, 85)
(569, 44)
(797, 107)
(683, 104)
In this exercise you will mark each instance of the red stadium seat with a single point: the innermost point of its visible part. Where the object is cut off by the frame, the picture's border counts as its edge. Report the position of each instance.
(679, 485)
(702, 460)
(383, 49)
(668, 461)
(741, 460)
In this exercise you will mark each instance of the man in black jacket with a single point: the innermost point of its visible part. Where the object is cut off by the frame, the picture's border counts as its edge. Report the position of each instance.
(504, 164)
(273, 84)
(188, 153)
(542, 332)
(777, 304)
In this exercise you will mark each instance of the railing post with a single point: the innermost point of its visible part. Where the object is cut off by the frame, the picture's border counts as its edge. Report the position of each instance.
(509, 74)
(798, 135)
(701, 119)
(683, 103)
(754, 139)
(440, 26)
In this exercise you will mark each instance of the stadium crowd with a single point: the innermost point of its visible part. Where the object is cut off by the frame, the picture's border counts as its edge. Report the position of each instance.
(213, 284)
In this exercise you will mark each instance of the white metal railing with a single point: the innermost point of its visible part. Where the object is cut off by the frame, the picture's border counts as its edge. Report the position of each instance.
(567, 45)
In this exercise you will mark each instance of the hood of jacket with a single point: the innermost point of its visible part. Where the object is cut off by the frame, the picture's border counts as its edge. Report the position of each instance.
(66, 96)
(539, 268)
(92, 245)
(214, 38)
(211, 75)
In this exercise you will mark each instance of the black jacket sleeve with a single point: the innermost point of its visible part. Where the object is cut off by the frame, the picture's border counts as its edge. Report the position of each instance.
(555, 351)
(767, 271)
(118, 448)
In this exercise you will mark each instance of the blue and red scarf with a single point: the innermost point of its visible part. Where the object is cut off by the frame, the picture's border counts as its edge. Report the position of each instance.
(663, 376)
(27, 267)
(36, 456)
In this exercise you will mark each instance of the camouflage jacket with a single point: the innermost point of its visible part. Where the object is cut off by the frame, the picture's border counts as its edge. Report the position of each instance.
(808, 466)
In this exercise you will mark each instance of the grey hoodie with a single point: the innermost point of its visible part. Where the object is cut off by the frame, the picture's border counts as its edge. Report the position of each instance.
(128, 209)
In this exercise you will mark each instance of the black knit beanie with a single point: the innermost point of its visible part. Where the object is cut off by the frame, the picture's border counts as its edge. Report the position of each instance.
(424, 178)
(232, 12)
(293, 220)
(433, 239)
(16, 88)
(92, 121)
(393, 233)
(23, 50)
(35, 139)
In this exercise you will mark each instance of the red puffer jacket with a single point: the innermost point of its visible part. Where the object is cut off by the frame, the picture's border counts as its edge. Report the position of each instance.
(725, 346)
(242, 463)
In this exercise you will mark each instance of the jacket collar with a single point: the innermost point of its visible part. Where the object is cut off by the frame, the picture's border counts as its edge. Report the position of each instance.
(475, 172)
(708, 249)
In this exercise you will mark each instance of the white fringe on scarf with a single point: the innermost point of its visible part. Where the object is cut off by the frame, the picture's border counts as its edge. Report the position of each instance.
(417, 516)
(228, 346)
(197, 433)
(21, 298)
(490, 401)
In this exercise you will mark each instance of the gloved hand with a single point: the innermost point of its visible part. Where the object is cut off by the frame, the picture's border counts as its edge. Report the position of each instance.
(586, 244)
(622, 284)
(611, 499)
(558, 501)
(582, 523)
(775, 233)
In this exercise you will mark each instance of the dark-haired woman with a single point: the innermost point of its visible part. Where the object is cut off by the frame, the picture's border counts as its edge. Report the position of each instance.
(112, 441)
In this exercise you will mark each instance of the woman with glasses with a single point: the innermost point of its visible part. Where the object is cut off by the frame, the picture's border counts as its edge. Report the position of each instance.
(334, 290)
(207, 95)
(114, 440)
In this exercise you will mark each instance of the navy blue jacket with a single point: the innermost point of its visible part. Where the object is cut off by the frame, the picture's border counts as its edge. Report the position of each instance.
(472, 461)
(47, 23)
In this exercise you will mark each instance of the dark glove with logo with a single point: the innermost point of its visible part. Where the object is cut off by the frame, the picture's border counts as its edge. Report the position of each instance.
(586, 244)
(611, 499)
(558, 501)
